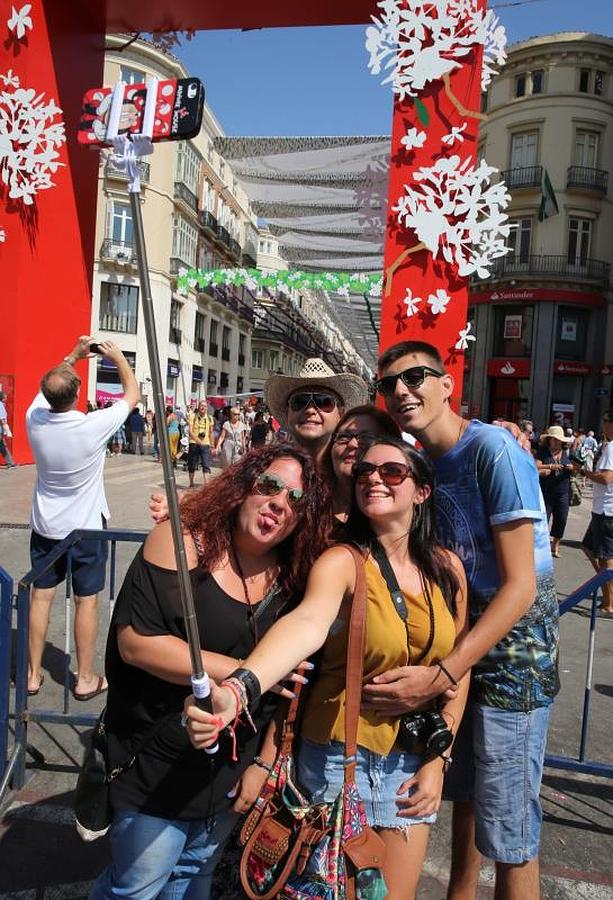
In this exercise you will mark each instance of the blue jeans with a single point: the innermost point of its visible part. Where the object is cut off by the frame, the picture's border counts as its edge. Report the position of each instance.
(164, 858)
(498, 764)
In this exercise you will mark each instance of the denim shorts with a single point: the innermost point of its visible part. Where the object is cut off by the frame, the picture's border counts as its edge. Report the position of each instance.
(498, 764)
(199, 454)
(88, 564)
(320, 774)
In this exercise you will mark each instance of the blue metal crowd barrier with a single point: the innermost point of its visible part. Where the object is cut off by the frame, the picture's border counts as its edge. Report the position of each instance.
(13, 773)
(12, 768)
(581, 763)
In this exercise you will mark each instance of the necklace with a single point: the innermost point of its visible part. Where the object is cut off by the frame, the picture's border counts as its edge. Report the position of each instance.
(253, 625)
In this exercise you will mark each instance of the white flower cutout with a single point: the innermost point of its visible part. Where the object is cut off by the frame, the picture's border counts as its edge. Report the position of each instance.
(411, 303)
(413, 138)
(10, 79)
(457, 213)
(418, 42)
(464, 337)
(455, 135)
(2, 235)
(31, 131)
(20, 21)
(438, 302)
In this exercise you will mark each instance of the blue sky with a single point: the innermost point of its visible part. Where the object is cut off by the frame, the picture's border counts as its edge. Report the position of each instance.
(308, 81)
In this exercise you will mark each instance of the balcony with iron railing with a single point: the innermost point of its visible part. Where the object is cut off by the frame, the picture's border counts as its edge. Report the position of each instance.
(174, 335)
(111, 170)
(585, 179)
(223, 235)
(225, 354)
(241, 359)
(523, 177)
(199, 344)
(235, 249)
(208, 222)
(249, 261)
(122, 252)
(213, 350)
(176, 264)
(550, 266)
(182, 192)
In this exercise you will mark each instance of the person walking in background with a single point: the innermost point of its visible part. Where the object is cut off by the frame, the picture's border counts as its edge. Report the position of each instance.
(137, 431)
(5, 432)
(174, 432)
(148, 427)
(200, 441)
(598, 539)
(555, 470)
(260, 431)
(590, 446)
(69, 449)
(232, 439)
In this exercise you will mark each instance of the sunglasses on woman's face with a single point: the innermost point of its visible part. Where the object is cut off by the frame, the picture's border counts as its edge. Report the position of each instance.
(270, 485)
(362, 438)
(302, 400)
(412, 378)
(390, 473)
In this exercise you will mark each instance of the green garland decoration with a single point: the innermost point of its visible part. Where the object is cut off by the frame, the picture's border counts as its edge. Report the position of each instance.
(343, 282)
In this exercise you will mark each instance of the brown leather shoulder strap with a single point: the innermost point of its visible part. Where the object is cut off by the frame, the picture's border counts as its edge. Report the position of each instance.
(355, 663)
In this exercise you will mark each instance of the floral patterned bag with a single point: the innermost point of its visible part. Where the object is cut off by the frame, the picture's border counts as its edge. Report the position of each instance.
(294, 850)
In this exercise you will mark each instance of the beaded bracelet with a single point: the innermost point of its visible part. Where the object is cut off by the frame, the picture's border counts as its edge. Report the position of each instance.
(258, 761)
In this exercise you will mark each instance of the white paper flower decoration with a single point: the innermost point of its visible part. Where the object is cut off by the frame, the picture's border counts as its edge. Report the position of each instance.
(420, 41)
(20, 21)
(438, 302)
(10, 79)
(455, 135)
(2, 235)
(413, 138)
(30, 133)
(464, 337)
(411, 303)
(457, 213)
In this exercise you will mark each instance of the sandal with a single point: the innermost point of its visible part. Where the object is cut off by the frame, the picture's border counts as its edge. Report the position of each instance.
(34, 692)
(100, 688)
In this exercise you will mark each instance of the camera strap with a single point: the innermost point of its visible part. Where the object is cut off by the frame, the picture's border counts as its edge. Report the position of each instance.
(397, 596)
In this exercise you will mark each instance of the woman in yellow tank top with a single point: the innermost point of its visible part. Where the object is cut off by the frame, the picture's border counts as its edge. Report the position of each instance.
(400, 786)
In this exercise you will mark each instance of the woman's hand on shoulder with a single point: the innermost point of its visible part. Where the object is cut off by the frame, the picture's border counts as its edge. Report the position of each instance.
(159, 548)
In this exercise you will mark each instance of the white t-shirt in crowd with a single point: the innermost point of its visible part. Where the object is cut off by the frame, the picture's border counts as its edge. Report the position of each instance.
(69, 450)
(603, 493)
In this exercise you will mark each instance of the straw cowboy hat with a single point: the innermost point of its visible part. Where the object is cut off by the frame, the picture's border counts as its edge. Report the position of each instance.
(314, 374)
(557, 432)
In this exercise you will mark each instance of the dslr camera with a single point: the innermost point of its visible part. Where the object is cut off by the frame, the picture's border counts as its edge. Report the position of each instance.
(201, 434)
(424, 733)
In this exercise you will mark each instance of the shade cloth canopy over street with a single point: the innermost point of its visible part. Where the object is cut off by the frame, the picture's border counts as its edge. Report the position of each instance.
(325, 200)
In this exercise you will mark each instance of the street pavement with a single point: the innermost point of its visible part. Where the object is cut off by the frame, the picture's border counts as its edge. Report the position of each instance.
(42, 858)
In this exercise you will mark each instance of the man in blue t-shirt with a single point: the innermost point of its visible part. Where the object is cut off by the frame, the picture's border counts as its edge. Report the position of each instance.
(490, 512)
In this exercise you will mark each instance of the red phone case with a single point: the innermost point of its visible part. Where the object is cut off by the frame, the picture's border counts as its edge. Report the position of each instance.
(178, 111)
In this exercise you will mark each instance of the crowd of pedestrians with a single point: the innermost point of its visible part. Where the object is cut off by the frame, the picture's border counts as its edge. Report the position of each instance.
(462, 614)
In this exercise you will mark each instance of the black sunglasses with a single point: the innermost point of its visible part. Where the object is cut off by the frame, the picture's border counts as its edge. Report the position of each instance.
(325, 402)
(269, 485)
(390, 473)
(412, 378)
(362, 438)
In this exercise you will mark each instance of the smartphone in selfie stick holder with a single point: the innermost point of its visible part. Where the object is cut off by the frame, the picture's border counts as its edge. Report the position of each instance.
(128, 148)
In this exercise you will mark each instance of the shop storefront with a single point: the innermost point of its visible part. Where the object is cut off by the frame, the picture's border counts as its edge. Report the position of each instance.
(173, 371)
(509, 388)
(108, 383)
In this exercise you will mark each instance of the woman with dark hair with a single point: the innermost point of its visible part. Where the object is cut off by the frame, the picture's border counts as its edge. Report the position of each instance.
(251, 537)
(356, 430)
(400, 785)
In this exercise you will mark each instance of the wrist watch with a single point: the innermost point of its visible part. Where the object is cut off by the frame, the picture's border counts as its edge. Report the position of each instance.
(70, 359)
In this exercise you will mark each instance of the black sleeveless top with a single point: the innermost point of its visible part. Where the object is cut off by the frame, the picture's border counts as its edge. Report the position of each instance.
(169, 778)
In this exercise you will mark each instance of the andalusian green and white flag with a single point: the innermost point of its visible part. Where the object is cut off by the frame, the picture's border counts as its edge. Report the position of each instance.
(549, 204)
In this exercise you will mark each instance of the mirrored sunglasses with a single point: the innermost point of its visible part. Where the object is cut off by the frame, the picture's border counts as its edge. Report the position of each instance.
(412, 378)
(303, 399)
(390, 473)
(270, 485)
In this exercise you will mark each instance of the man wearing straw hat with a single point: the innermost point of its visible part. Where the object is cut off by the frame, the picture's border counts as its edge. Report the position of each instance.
(311, 403)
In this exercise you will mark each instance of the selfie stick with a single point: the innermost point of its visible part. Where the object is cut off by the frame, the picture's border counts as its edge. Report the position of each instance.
(127, 153)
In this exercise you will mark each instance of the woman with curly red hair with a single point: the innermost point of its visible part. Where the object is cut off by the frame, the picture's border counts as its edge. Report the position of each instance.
(251, 537)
